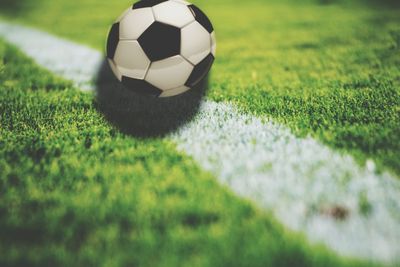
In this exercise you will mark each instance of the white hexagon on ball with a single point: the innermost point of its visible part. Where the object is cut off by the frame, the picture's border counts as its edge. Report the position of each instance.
(169, 73)
(130, 59)
(134, 23)
(173, 13)
(195, 42)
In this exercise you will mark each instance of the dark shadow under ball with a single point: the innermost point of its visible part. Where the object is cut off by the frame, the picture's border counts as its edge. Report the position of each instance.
(144, 115)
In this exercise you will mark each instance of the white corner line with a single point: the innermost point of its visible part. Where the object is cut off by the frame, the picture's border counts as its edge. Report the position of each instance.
(301, 180)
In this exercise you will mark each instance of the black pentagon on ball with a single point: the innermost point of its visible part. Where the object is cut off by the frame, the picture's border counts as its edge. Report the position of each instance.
(147, 3)
(200, 71)
(140, 86)
(161, 41)
(201, 18)
(112, 41)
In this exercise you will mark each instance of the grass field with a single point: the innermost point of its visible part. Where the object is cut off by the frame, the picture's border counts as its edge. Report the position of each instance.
(329, 70)
(61, 204)
(76, 191)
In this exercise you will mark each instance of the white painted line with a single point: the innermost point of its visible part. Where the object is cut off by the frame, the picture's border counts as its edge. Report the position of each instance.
(302, 181)
(67, 59)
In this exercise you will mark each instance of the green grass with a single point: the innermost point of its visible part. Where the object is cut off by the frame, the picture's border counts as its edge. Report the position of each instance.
(329, 69)
(74, 191)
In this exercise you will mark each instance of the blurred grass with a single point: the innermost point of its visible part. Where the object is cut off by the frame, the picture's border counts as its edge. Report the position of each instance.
(76, 192)
(329, 69)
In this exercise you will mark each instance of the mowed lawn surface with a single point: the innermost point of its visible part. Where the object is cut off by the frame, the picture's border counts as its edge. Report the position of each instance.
(76, 191)
(325, 68)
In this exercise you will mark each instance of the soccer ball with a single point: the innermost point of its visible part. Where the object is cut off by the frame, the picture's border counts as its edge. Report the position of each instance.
(161, 47)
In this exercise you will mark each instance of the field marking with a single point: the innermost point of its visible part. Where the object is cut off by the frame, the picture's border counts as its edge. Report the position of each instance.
(67, 59)
(300, 180)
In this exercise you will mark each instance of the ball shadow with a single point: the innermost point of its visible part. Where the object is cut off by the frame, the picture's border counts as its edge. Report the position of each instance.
(142, 115)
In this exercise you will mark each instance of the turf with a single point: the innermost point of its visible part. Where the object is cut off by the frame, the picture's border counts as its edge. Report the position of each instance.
(329, 69)
(74, 191)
